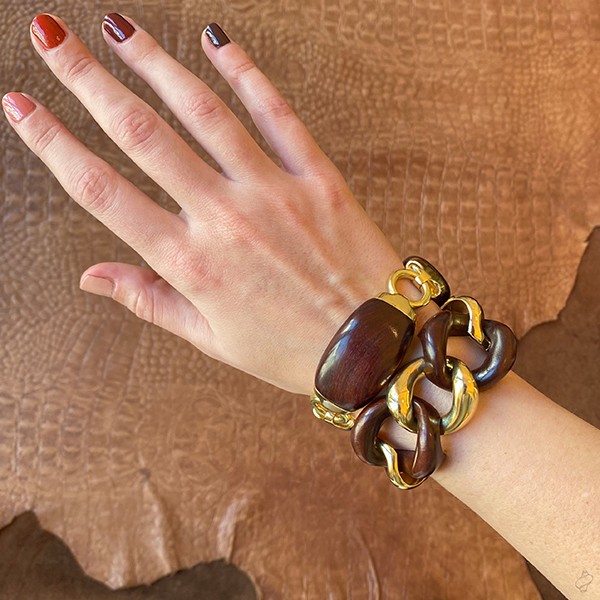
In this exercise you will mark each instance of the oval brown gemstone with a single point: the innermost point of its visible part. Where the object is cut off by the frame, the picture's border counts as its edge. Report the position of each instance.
(364, 354)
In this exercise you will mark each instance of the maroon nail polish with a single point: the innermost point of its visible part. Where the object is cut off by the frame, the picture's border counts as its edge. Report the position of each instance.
(117, 27)
(216, 35)
(48, 31)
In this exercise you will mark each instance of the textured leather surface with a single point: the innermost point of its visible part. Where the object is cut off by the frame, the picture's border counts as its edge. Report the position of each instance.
(36, 565)
(468, 132)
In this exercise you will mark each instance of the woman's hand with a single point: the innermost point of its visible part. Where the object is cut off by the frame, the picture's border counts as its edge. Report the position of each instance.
(263, 263)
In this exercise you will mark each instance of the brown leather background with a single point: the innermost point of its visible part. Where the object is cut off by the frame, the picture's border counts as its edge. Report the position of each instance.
(467, 130)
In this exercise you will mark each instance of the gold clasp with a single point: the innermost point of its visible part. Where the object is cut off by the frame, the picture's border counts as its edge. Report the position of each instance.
(425, 276)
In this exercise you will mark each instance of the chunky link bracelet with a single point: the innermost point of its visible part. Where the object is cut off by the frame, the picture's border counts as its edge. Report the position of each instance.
(362, 370)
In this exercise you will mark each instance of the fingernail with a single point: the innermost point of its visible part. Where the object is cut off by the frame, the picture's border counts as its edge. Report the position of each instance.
(17, 106)
(117, 27)
(103, 286)
(48, 31)
(216, 35)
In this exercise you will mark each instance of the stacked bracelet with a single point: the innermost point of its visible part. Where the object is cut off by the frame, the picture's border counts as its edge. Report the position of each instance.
(362, 370)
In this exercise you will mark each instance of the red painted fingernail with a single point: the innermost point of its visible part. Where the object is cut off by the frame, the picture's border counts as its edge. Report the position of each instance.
(17, 106)
(48, 31)
(117, 27)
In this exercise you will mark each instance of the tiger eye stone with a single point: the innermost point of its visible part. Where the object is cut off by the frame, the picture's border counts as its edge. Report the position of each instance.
(364, 354)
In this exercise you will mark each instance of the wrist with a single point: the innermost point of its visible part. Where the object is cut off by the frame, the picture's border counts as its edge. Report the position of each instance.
(383, 347)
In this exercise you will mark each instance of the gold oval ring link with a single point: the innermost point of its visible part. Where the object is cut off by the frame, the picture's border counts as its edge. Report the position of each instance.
(465, 395)
(338, 418)
(421, 278)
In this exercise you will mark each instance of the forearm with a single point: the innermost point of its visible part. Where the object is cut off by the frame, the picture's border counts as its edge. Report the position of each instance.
(526, 466)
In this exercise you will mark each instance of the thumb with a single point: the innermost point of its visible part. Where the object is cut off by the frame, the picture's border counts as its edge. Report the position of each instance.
(151, 298)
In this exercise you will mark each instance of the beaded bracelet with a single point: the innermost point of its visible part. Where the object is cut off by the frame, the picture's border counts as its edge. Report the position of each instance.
(362, 370)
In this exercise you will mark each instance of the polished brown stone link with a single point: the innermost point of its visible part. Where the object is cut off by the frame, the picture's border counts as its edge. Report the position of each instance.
(421, 462)
(501, 350)
(434, 336)
(364, 354)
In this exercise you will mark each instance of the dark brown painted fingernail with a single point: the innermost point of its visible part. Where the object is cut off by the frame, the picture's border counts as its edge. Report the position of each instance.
(117, 27)
(216, 35)
(17, 106)
(48, 31)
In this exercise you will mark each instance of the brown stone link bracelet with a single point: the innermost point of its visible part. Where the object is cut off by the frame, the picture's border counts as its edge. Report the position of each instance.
(362, 370)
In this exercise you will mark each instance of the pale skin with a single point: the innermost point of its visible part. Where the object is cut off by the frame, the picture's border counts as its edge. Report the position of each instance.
(265, 262)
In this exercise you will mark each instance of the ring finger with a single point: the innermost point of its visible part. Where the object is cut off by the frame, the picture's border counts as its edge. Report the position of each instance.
(200, 110)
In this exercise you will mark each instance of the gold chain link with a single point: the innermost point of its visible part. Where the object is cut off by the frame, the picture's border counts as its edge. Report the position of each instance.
(400, 480)
(475, 312)
(465, 395)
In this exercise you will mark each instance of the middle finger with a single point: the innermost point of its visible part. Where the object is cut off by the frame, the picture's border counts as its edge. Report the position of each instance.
(129, 121)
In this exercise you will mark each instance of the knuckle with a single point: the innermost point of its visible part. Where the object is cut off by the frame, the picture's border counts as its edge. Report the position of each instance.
(94, 189)
(147, 53)
(79, 67)
(244, 230)
(143, 304)
(334, 195)
(274, 107)
(241, 230)
(43, 139)
(192, 266)
(238, 72)
(335, 192)
(291, 209)
(338, 199)
(203, 105)
(135, 129)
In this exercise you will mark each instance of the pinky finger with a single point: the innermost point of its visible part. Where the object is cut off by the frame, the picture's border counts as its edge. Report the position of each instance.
(147, 295)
